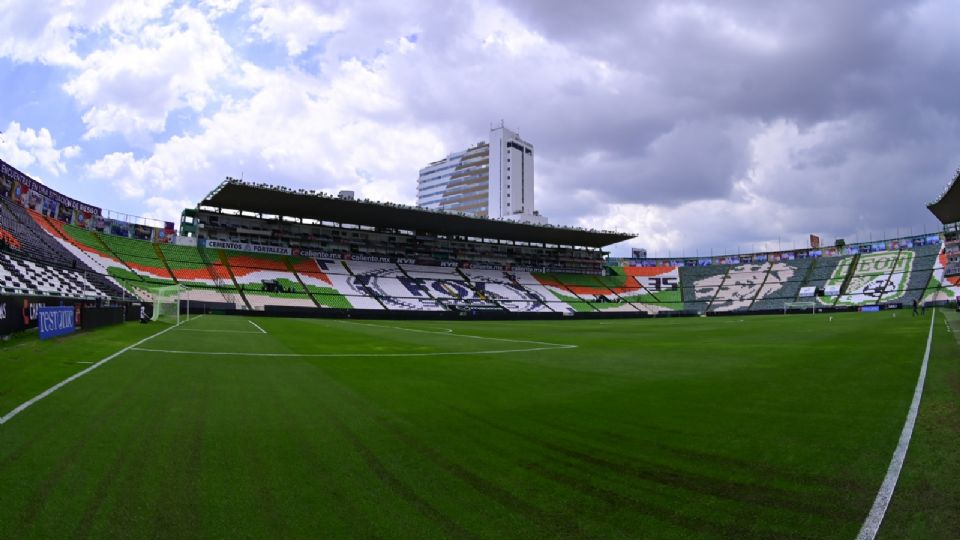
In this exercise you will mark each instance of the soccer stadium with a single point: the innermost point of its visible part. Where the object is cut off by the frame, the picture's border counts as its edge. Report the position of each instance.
(288, 363)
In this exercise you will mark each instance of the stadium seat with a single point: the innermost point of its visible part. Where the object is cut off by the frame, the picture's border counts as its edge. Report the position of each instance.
(701, 284)
(26, 276)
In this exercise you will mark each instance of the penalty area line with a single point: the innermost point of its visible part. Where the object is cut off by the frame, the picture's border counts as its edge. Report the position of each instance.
(257, 326)
(30, 402)
(871, 526)
(350, 355)
(450, 332)
(219, 331)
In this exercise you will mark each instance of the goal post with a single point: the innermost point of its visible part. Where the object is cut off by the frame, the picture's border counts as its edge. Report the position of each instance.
(167, 303)
(795, 307)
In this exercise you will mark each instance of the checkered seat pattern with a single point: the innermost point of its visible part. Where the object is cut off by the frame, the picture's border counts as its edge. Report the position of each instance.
(43, 279)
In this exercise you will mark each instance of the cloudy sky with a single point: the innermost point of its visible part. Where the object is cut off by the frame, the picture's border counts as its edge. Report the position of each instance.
(717, 126)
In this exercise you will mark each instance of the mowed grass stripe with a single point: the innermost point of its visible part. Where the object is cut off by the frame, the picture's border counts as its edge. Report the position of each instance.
(926, 503)
(775, 426)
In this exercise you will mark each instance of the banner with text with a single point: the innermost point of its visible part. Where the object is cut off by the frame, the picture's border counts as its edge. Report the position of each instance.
(18, 313)
(57, 321)
(252, 248)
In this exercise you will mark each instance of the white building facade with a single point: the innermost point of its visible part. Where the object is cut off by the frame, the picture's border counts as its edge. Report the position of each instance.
(492, 179)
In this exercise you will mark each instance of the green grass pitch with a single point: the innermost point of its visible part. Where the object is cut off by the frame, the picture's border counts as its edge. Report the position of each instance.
(726, 427)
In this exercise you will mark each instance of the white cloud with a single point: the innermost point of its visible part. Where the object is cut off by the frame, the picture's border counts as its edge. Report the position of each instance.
(48, 31)
(27, 148)
(124, 16)
(165, 209)
(725, 28)
(161, 172)
(294, 129)
(37, 32)
(132, 86)
(218, 8)
(297, 25)
(692, 124)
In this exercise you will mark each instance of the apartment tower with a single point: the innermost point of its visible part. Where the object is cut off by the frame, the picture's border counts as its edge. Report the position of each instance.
(490, 179)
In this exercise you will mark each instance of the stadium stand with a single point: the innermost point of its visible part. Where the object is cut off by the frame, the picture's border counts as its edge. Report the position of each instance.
(821, 273)
(257, 281)
(921, 276)
(593, 290)
(139, 256)
(651, 290)
(502, 287)
(397, 259)
(941, 287)
(88, 247)
(7, 239)
(783, 283)
(268, 280)
(749, 287)
(550, 287)
(736, 289)
(701, 284)
(327, 281)
(17, 222)
(23, 276)
(36, 245)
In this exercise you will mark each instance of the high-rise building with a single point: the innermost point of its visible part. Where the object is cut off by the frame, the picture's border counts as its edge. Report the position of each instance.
(492, 179)
(458, 183)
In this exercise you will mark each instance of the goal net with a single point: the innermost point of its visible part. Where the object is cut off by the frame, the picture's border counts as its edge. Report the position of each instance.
(166, 303)
(799, 307)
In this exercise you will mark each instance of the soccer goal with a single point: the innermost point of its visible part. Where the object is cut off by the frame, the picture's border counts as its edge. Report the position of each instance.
(166, 303)
(795, 307)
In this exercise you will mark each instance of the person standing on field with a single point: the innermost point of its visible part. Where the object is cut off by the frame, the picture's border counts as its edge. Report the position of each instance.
(915, 307)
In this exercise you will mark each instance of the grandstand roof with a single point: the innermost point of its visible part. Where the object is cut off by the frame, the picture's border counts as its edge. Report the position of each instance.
(262, 199)
(947, 207)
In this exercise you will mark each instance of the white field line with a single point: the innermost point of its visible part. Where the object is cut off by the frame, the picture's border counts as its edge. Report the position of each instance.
(446, 332)
(26, 404)
(352, 355)
(872, 524)
(220, 331)
(451, 333)
(257, 326)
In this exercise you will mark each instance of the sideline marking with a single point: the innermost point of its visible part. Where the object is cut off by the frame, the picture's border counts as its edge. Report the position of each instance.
(872, 524)
(26, 404)
(262, 331)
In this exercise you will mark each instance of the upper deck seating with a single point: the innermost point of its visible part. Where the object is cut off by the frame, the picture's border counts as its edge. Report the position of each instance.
(377, 269)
